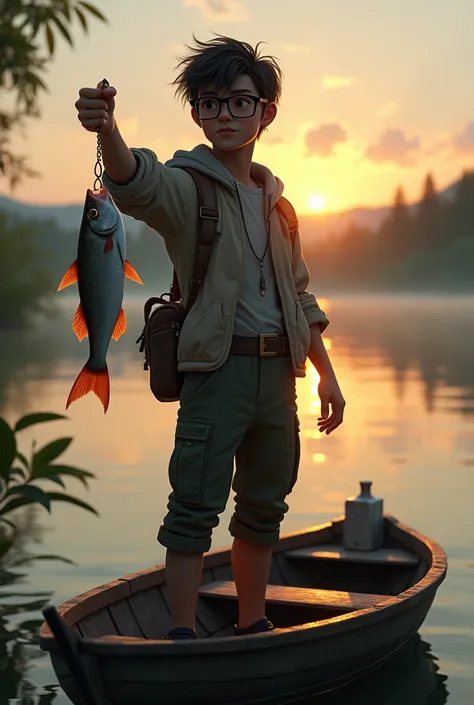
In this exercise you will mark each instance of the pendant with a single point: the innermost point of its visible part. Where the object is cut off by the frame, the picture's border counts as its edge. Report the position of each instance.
(263, 285)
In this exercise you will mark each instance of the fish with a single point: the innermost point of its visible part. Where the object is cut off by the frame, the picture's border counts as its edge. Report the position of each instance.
(99, 270)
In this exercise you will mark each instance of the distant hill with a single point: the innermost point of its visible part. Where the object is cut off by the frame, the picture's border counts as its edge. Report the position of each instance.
(311, 225)
(66, 217)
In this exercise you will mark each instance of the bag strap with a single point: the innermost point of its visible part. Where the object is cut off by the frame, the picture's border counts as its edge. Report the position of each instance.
(288, 212)
(208, 216)
(208, 212)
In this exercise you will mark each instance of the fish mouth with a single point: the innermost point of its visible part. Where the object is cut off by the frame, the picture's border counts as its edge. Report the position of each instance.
(105, 232)
(100, 193)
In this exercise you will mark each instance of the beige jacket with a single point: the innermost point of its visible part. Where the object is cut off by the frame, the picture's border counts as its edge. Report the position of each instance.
(165, 199)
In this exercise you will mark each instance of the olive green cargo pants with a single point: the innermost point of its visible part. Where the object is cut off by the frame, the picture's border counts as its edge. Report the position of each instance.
(244, 410)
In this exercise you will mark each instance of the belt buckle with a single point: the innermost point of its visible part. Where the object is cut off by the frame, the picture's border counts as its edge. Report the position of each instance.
(263, 352)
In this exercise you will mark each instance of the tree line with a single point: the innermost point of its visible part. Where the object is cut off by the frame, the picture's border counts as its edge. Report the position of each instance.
(428, 246)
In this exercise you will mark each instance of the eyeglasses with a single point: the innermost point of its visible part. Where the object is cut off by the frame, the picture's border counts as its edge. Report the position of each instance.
(239, 106)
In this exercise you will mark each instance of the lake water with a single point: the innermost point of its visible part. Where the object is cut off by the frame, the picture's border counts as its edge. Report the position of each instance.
(406, 368)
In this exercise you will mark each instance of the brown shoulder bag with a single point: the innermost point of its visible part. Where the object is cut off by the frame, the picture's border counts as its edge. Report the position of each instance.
(160, 336)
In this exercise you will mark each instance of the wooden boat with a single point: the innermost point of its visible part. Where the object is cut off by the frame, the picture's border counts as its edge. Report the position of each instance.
(338, 613)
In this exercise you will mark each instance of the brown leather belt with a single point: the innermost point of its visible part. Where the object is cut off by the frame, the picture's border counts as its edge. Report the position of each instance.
(265, 345)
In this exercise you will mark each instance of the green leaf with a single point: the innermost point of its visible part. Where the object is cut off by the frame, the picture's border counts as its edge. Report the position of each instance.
(26, 494)
(22, 459)
(62, 29)
(47, 698)
(53, 478)
(7, 449)
(58, 497)
(66, 10)
(50, 451)
(20, 608)
(41, 593)
(17, 471)
(93, 10)
(8, 523)
(8, 578)
(13, 504)
(5, 545)
(43, 557)
(62, 470)
(31, 419)
(49, 38)
(82, 18)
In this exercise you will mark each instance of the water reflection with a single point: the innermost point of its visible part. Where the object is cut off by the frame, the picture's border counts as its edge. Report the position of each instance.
(24, 355)
(410, 678)
(432, 339)
(20, 620)
(419, 350)
(429, 337)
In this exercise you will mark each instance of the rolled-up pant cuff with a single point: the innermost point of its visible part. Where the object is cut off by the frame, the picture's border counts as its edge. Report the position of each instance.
(182, 543)
(245, 533)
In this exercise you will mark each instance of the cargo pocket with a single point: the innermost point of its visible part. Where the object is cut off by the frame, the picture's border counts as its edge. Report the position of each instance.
(188, 461)
(297, 453)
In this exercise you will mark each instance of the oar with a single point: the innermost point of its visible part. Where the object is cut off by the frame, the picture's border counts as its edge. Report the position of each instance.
(68, 642)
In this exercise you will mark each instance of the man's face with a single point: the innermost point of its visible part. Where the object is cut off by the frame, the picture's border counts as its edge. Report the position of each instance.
(234, 125)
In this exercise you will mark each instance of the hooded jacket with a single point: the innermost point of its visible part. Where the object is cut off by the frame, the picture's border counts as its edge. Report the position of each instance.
(165, 198)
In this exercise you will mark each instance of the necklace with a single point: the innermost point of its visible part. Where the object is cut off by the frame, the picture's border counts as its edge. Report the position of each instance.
(263, 284)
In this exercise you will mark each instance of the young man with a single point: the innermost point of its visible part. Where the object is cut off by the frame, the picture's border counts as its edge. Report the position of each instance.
(238, 401)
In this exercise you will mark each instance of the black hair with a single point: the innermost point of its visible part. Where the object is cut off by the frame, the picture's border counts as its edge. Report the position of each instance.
(218, 63)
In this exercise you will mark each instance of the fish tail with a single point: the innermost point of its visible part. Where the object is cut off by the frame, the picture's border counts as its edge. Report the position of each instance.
(91, 380)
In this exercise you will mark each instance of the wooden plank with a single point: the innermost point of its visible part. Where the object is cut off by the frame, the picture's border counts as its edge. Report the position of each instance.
(385, 556)
(151, 613)
(200, 628)
(211, 619)
(116, 639)
(124, 618)
(97, 624)
(145, 579)
(297, 597)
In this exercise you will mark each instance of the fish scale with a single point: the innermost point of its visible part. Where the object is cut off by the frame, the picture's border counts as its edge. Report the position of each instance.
(99, 271)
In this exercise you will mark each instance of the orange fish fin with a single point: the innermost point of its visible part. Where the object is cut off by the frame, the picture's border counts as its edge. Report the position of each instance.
(120, 325)
(88, 380)
(70, 276)
(79, 324)
(109, 244)
(131, 273)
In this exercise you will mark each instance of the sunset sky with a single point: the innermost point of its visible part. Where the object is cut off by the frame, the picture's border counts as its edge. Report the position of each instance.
(376, 93)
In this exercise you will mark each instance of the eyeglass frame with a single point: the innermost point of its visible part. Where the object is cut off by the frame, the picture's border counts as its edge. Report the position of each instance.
(256, 101)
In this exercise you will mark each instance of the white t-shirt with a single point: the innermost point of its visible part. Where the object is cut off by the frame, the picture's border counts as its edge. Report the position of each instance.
(255, 313)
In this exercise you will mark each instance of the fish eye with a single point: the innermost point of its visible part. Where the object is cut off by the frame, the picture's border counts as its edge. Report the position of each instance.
(93, 213)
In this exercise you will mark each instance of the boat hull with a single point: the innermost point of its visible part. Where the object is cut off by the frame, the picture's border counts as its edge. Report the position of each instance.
(295, 661)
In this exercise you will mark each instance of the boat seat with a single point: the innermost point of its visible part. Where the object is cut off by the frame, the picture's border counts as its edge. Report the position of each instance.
(298, 596)
(381, 556)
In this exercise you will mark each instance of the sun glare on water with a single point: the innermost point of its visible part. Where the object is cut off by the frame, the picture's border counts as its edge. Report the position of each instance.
(317, 202)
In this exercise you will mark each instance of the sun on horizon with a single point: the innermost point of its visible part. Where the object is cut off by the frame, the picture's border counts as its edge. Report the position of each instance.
(317, 202)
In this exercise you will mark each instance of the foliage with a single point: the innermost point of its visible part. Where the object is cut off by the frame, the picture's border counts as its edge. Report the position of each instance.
(26, 279)
(424, 247)
(28, 30)
(21, 477)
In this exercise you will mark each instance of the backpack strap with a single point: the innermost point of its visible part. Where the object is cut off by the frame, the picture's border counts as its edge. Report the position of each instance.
(208, 216)
(288, 212)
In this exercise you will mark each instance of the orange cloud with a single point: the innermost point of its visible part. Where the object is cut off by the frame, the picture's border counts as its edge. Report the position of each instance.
(334, 82)
(464, 142)
(388, 110)
(294, 48)
(393, 146)
(221, 10)
(322, 140)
